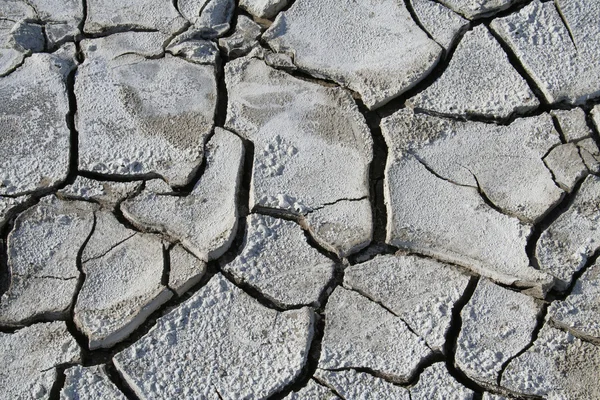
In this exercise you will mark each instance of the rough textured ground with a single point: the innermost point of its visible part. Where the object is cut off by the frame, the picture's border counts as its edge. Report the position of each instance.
(300, 199)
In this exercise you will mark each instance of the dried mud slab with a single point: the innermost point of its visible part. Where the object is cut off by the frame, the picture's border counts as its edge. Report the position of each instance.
(205, 221)
(435, 383)
(185, 270)
(450, 186)
(312, 390)
(36, 140)
(361, 334)
(220, 343)
(264, 8)
(302, 130)
(91, 383)
(139, 116)
(565, 247)
(472, 9)
(497, 324)
(374, 48)
(277, 260)
(122, 284)
(420, 291)
(478, 81)
(30, 357)
(117, 16)
(579, 312)
(560, 50)
(558, 366)
(443, 24)
(42, 258)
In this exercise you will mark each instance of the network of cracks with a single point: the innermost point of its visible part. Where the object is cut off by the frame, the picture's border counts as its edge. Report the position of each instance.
(309, 199)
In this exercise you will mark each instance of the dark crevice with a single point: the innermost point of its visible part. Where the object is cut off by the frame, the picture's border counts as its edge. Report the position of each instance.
(524, 112)
(372, 251)
(16, 67)
(330, 387)
(232, 23)
(452, 338)
(489, 202)
(84, 8)
(118, 214)
(168, 41)
(312, 361)
(417, 20)
(314, 354)
(332, 203)
(116, 378)
(591, 339)
(255, 293)
(565, 23)
(377, 174)
(287, 7)
(243, 204)
(518, 66)
(45, 317)
(118, 178)
(434, 173)
(553, 176)
(10, 329)
(156, 56)
(164, 280)
(219, 122)
(424, 363)
(306, 76)
(581, 156)
(559, 129)
(5, 273)
(479, 189)
(503, 12)
(59, 383)
(534, 335)
(102, 356)
(79, 336)
(176, 6)
(540, 226)
(45, 37)
(299, 219)
(58, 278)
(589, 119)
(118, 29)
(111, 248)
(562, 296)
(327, 252)
(389, 310)
(374, 373)
(399, 102)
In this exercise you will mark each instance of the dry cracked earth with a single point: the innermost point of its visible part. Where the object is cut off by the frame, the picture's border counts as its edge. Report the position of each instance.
(310, 199)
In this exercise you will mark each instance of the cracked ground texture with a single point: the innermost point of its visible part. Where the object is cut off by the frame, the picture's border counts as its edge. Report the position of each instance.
(300, 199)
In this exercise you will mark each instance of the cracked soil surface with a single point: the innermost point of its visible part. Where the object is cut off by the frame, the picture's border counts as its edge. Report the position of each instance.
(300, 199)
